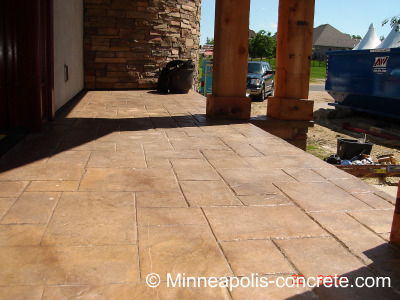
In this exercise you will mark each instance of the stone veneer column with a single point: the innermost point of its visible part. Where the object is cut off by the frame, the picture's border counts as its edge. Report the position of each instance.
(127, 42)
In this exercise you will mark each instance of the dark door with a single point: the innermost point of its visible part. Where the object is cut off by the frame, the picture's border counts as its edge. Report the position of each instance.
(46, 67)
(3, 79)
(27, 36)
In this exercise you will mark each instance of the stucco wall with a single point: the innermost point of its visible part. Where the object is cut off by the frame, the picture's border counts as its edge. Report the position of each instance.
(319, 51)
(128, 42)
(68, 50)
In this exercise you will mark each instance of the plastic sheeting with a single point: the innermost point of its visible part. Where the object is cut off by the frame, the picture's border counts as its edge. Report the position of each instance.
(392, 40)
(370, 40)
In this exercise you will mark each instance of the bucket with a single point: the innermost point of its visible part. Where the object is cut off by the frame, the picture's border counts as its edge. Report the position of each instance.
(181, 81)
(349, 148)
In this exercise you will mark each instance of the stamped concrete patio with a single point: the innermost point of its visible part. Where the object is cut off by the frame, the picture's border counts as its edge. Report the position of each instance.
(124, 184)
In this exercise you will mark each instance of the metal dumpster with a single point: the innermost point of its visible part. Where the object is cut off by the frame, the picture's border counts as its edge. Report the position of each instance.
(365, 80)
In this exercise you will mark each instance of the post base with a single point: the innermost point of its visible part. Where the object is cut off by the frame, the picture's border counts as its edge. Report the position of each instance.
(228, 107)
(290, 109)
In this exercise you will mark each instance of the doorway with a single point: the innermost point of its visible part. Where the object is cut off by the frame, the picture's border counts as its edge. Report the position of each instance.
(26, 63)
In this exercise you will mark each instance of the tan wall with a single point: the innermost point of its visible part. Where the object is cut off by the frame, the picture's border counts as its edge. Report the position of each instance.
(319, 51)
(127, 43)
(68, 49)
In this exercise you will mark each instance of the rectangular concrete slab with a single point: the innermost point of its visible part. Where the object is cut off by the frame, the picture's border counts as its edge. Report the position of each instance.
(260, 222)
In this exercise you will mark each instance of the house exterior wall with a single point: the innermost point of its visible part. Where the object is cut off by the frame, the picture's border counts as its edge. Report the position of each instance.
(319, 51)
(68, 50)
(127, 43)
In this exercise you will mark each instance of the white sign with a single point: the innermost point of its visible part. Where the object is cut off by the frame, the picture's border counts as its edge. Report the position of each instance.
(380, 64)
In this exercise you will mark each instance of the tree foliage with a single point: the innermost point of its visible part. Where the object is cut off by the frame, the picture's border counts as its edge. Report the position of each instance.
(394, 21)
(210, 41)
(357, 37)
(262, 45)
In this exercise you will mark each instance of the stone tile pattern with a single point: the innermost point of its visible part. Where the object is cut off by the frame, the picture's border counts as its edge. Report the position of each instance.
(126, 183)
(127, 43)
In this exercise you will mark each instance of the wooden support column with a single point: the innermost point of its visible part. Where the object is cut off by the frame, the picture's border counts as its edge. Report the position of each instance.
(293, 59)
(231, 42)
(395, 232)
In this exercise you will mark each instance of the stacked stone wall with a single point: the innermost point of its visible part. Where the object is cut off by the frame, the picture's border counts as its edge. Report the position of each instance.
(128, 42)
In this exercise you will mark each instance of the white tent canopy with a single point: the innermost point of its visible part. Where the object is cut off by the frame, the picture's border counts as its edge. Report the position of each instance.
(392, 40)
(370, 40)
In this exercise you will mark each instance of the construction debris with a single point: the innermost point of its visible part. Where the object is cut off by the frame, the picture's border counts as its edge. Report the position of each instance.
(387, 159)
(353, 157)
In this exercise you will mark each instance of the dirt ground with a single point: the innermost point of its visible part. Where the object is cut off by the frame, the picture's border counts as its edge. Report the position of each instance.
(328, 127)
(322, 138)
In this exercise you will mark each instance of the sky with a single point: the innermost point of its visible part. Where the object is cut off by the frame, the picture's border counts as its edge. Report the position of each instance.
(348, 16)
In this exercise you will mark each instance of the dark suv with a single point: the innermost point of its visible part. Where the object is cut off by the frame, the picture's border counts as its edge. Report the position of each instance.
(260, 80)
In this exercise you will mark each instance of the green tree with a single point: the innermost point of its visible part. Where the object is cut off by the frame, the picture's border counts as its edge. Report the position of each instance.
(262, 45)
(357, 37)
(210, 41)
(394, 21)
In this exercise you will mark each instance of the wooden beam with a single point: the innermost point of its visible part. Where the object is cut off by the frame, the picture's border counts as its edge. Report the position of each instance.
(231, 39)
(293, 60)
(228, 107)
(290, 109)
(371, 170)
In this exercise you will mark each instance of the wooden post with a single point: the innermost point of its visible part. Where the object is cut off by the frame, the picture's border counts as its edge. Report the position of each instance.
(293, 60)
(395, 232)
(231, 40)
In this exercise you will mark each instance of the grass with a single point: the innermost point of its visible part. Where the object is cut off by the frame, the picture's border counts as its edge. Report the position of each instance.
(271, 61)
(200, 68)
(317, 71)
(316, 151)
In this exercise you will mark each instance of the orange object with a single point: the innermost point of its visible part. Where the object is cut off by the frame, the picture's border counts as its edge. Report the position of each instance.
(395, 232)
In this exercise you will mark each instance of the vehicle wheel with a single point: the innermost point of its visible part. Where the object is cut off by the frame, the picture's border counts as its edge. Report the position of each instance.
(271, 92)
(265, 94)
(261, 96)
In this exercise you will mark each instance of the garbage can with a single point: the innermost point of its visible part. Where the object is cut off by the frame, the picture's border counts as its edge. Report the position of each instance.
(181, 81)
(176, 77)
(349, 148)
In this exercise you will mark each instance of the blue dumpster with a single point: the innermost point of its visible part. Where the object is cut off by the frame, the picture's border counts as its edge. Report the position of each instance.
(365, 80)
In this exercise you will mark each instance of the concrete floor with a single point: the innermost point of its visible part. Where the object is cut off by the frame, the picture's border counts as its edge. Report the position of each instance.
(388, 189)
(125, 184)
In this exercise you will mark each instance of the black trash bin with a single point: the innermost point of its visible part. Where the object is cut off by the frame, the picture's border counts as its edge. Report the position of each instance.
(181, 81)
(176, 77)
(349, 148)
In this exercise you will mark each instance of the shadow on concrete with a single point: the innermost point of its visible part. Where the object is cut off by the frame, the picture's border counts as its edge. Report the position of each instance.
(385, 264)
(64, 133)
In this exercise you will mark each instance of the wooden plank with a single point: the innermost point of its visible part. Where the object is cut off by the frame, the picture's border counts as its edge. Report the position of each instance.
(293, 60)
(228, 107)
(372, 170)
(290, 109)
(294, 48)
(231, 39)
